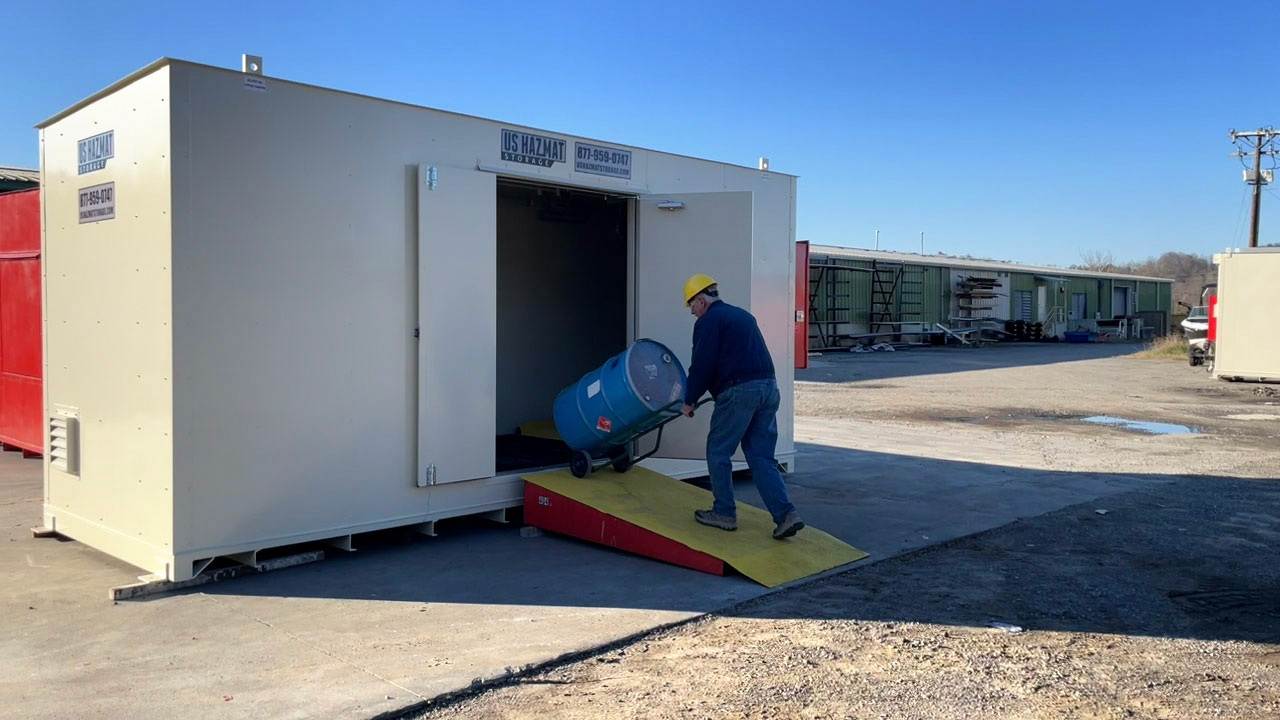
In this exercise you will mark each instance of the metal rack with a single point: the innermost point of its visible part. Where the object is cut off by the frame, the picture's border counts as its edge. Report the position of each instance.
(838, 306)
(977, 294)
(897, 297)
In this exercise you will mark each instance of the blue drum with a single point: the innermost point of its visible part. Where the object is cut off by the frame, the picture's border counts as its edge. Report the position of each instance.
(633, 393)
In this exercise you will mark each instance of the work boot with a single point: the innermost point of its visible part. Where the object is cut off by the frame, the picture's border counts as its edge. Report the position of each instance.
(790, 525)
(709, 517)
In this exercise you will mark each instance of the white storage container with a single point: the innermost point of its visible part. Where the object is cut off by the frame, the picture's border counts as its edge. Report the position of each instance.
(1247, 345)
(277, 313)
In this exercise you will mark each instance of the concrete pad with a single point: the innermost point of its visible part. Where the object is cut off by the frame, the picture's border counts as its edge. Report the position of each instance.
(402, 620)
(186, 659)
(433, 616)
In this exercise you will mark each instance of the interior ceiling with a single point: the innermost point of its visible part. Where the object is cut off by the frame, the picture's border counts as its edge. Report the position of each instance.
(558, 204)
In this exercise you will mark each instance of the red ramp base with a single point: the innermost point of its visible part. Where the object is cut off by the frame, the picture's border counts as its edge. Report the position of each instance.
(559, 514)
(650, 514)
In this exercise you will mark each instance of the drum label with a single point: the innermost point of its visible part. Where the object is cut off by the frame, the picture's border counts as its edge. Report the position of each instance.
(604, 424)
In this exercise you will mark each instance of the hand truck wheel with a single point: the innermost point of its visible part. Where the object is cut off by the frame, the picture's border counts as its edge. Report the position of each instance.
(580, 464)
(622, 463)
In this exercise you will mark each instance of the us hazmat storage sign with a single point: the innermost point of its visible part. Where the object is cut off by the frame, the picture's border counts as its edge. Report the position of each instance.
(530, 149)
(94, 152)
(98, 202)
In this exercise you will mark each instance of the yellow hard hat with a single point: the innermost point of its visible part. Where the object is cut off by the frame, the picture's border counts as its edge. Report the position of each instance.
(695, 285)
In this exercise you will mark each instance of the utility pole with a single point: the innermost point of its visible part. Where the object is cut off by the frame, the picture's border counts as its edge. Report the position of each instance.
(1260, 142)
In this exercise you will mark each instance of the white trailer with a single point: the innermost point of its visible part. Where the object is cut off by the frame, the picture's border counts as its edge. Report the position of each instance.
(1247, 346)
(278, 313)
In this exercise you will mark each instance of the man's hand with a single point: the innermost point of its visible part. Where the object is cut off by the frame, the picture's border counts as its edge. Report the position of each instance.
(687, 410)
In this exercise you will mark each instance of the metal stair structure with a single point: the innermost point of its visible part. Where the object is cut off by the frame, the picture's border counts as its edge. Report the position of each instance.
(1055, 321)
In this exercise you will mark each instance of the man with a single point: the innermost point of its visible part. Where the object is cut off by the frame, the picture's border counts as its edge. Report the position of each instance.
(731, 361)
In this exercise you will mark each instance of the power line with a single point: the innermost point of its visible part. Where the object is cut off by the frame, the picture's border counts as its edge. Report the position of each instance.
(1235, 234)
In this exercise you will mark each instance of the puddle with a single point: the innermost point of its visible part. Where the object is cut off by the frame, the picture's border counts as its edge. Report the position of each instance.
(1140, 426)
(1151, 428)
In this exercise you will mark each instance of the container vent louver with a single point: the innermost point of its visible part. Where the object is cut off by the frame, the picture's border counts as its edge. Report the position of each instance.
(64, 444)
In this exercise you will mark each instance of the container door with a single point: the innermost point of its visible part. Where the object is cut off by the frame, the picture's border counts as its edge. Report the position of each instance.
(457, 319)
(1119, 301)
(802, 305)
(1079, 306)
(677, 236)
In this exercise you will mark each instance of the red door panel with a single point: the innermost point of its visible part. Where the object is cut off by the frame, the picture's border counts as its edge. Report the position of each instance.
(20, 317)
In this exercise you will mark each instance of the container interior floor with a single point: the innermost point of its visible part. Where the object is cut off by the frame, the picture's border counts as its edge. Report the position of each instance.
(562, 304)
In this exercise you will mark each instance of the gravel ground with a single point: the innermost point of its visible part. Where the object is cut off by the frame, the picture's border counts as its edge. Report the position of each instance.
(1029, 388)
(1160, 603)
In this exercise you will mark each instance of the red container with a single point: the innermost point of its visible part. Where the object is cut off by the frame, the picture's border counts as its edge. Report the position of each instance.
(21, 392)
(1212, 335)
(802, 305)
(1212, 318)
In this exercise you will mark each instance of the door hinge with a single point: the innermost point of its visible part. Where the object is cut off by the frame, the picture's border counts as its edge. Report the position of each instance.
(416, 332)
(428, 477)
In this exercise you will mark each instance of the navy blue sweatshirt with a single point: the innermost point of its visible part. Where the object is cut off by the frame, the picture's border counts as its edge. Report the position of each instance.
(728, 349)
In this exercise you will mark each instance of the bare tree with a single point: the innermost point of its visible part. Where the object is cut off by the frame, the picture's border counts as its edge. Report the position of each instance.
(1100, 260)
(1189, 273)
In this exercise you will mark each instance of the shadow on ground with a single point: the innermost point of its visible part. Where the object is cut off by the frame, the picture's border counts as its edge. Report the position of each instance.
(1171, 555)
(840, 367)
(1187, 560)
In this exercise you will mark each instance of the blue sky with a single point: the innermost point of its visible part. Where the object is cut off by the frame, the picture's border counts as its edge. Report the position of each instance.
(1015, 130)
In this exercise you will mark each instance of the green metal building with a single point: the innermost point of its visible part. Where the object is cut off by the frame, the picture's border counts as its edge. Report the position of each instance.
(858, 295)
(12, 178)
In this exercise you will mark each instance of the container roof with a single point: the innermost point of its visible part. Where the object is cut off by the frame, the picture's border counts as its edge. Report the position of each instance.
(967, 263)
(166, 61)
(13, 174)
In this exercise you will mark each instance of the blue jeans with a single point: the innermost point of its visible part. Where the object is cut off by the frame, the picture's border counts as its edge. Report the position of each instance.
(747, 414)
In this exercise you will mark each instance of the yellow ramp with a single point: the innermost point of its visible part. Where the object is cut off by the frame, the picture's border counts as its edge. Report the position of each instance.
(664, 505)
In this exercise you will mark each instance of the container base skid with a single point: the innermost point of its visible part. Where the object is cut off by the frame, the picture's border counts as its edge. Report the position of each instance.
(503, 493)
(149, 585)
(28, 451)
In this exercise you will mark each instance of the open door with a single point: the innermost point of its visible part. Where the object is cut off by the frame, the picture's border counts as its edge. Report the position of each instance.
(457, 320)
(802, 305)
(677, 236)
